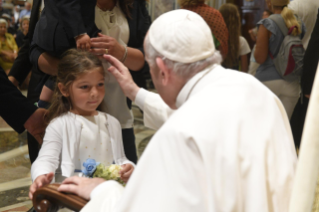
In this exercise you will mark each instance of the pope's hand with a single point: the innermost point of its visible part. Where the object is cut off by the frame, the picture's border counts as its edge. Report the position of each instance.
(123, 77)
(39, 182)
(80, 186)
(36, 125)
(126, 172)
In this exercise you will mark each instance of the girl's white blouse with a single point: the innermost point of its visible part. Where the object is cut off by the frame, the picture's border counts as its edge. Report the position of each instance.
(95, 140)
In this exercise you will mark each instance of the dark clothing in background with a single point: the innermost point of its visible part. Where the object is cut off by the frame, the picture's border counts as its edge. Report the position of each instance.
(15, 109)
(21, 68)
(311, 59)
(20, 39)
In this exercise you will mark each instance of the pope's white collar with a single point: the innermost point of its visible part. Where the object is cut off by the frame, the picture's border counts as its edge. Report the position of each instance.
(187, 88)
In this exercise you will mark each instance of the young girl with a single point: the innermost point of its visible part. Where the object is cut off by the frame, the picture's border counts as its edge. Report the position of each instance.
(238, 48)
(77, 131)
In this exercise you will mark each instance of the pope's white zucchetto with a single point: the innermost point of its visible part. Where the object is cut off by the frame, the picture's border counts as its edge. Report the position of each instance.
(182, 36)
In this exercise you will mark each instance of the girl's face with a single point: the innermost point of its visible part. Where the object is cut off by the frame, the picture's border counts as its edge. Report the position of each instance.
(86, 92)
(25, 25)
(3, 28)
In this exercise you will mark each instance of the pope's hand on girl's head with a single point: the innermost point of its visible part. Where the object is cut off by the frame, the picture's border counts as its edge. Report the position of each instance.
(39, 182)
(123, 77)
(103, 42)
(126, 171)
(80, 186)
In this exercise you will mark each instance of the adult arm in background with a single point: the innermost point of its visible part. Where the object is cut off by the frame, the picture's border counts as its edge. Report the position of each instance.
(134, 60)
(261, 49)
(311, 58)
(22, 65)
(156, 111)
(18, 112)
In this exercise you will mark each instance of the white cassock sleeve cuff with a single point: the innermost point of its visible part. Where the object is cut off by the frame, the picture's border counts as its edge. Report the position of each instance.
(105, 197)
(140, 98)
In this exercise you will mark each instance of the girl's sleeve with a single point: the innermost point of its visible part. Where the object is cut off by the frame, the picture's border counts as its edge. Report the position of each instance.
(117, 140)
(49, 155)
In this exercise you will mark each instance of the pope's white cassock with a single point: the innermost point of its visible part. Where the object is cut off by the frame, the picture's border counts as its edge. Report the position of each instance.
(228, 147)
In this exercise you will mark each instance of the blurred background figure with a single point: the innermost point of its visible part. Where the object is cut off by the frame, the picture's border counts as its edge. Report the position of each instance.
(23, 31)
(253, 35)
(238, 48)
(8, 47)
(3, 10)
(11, 27)
(26, 11)
(16, 14)
(214, 20)
(269, 40)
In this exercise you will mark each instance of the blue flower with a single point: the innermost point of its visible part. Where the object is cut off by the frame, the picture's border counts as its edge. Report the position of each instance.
(89, 167)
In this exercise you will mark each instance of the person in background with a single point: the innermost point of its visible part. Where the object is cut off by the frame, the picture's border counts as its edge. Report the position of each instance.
(253, 32)
(23, 31)
(2, 10)
(214, 20)
(8, 47)
(311, 60)
(238, 48)
(26, 11)
(11, 27)
(306, 10)
(18, 112)
(269, 39)
(16, 14)
(253, 35)
(123, 31)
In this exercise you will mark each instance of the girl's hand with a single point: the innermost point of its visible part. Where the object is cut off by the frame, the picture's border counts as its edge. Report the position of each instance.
(39, 182)
(126, 171)
(103, 42)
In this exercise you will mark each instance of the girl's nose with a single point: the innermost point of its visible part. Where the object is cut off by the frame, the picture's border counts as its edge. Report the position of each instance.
(94, 91)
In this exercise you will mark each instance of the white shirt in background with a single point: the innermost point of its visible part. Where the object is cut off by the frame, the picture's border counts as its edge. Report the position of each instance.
(243, 47)
(114, 24)
(307, 10)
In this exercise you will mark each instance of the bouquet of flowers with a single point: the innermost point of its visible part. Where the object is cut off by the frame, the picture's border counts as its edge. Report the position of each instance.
(95, 169)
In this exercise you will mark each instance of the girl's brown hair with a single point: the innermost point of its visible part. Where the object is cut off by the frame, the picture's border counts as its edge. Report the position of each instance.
(232, 19)
(73, 64)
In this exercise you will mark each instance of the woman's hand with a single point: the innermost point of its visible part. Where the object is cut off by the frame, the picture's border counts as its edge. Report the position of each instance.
(126, 171)
(39, 182)
(104, 44)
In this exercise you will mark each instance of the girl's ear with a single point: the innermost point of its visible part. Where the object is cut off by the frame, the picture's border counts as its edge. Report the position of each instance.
(64, 91)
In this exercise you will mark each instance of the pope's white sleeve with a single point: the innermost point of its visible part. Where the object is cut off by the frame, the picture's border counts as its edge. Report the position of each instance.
(105, 197)
(156, 111)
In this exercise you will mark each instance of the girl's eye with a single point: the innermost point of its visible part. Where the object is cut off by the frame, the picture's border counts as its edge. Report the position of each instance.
(84, 87)
(101, 84)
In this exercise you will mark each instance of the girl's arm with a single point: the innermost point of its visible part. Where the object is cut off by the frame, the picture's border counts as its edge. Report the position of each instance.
(49, 155)
(262, 44)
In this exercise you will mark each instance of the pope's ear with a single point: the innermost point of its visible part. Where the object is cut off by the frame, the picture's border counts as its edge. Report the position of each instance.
(63, 89)
(164, 72)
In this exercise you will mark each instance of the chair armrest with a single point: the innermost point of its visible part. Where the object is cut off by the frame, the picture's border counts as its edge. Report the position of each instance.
(48, 198)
